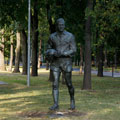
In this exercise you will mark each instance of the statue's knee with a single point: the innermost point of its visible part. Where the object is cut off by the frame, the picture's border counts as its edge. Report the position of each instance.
(70, 85)
(55, 86)
(71, 88)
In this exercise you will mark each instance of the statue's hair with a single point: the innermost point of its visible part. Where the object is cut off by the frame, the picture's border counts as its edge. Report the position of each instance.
(60, 20)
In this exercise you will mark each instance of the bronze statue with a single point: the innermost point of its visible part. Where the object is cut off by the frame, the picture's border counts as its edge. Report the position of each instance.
(61, 48)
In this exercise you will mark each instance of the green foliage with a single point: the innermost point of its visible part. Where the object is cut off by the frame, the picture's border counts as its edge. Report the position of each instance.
(106, 25)
(107, 20)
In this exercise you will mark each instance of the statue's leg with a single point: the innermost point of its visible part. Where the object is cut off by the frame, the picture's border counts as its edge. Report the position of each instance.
(71, 89)
(55, 90)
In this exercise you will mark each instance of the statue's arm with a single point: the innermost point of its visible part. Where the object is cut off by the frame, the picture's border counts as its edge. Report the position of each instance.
(50, 52)
(72, 50)
(49, 43)
(49, 46)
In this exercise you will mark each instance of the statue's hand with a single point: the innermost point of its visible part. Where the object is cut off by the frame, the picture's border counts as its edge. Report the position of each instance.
(51, 52)
(57, 54)
(65, 54)
(60, 54)
(69, 53)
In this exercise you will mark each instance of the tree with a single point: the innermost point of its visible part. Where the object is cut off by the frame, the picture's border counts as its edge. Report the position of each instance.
(105, 60)
(17, 53)
(34, 19)
(39, 56)
(107, 24)
(2, 59)
(81, 60)
(11, 53)
(13, 12)
(87, 68)
(24, 51)
(100, 60)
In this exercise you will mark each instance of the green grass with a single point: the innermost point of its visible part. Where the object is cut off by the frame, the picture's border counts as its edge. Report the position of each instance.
(17, 100)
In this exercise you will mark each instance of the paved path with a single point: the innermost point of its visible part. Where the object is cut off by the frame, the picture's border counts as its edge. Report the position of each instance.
(95, 72)
(3, 83)
(107, 73)
(104, 73)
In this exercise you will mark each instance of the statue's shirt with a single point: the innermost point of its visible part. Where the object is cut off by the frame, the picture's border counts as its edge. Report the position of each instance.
(62, 43)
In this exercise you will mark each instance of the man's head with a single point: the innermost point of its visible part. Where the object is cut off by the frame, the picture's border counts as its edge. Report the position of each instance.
(60, 23)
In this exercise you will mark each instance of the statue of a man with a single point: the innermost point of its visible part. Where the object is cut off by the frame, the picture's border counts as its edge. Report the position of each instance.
(61, 48)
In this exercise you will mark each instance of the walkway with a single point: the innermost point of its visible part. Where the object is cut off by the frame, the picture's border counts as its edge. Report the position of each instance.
(3, 83)
(95, 72)
(115, 74)
(107, 73)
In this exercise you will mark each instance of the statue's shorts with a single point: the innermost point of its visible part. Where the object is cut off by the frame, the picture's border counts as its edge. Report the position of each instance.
(61, 64)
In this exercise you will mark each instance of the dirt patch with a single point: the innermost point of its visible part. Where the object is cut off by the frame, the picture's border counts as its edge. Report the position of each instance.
(52, 114)
(33, 114)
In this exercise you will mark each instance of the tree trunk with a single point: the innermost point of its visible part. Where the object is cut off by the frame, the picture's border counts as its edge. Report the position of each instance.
(24, 51)
(51, 25)
(52, 30)
(47, 65)
(97, 57)
(39, 56)
(105, 62)
(87, 68)
(35, 40)
(11, 54)
(81, 60)
(75, 60)
(17, 53)
(115, 59)
(2, 59)
(100, 61)
(96, 51)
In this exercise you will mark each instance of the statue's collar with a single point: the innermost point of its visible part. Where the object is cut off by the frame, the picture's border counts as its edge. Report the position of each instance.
(63, 33)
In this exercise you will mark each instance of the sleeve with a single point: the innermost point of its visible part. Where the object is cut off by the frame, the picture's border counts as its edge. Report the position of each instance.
(72, 46)
(49, 44)
(50, 52)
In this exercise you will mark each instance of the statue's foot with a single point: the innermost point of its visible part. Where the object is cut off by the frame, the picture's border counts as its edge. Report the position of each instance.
(72, 108)
(54, 107)
(72, 105)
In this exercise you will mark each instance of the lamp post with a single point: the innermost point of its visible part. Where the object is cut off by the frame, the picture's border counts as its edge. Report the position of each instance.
(28, 66)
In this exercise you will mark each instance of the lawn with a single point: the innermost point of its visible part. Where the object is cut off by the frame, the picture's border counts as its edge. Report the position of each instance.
(19, 102)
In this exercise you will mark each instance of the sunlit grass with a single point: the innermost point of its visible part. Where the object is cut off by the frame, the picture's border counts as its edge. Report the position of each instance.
(100, 103)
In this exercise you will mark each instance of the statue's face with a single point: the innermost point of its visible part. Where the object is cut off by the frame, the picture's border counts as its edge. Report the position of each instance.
(60, 26)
